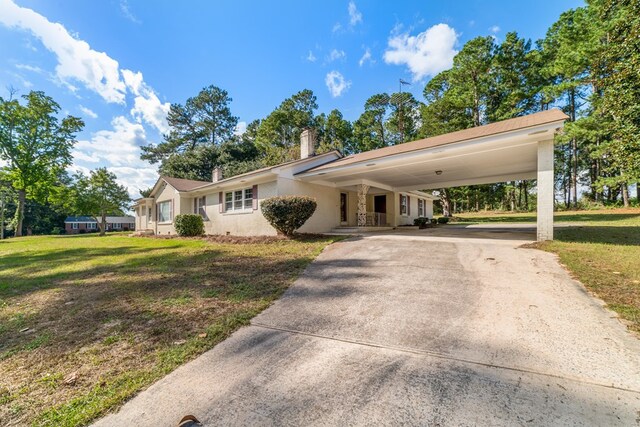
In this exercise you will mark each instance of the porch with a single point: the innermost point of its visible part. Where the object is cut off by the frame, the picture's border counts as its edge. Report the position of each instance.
(363, 204)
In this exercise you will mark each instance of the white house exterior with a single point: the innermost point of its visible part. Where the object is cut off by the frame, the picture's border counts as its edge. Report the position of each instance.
(232, 206)
(375, 188)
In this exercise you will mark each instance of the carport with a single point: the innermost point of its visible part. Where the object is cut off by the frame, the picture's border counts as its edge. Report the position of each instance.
(514, 149)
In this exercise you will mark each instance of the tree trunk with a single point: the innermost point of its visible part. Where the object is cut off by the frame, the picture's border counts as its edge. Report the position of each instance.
(574, 172)
(1, 217)
(625, 195)
(526, 195)
(638, 192)
(22, 200)
(103, 224)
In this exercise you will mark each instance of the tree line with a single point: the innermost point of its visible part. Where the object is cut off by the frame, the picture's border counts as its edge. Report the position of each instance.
(588, 64)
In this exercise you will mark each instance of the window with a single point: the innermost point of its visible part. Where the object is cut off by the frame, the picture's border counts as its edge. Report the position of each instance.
(199, 206)
(92, 225)
(74, 226)
(238, 200)
(164, 211)
(148, 213)
(420, 207)
(117, 225)
(403, 204)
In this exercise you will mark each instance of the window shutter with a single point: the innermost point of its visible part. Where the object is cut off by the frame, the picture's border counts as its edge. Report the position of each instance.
(220, 202)
(408, 205)
(172, 205)
(400, 209)
(195, 205)
(254, 193)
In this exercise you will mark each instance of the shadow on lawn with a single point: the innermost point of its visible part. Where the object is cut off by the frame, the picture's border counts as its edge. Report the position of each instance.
(624, 236)
(166, 297)
(584, 216)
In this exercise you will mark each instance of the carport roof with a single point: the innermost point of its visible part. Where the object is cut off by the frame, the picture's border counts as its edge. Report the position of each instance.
(518, 123)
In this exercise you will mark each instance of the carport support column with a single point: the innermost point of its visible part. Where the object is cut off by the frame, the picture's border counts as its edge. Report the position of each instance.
(363, 189)
(546, 191)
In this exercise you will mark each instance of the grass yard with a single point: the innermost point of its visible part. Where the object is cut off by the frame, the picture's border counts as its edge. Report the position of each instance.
(87, 321)
(600, 248)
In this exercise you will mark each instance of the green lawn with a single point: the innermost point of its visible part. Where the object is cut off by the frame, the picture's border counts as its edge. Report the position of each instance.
(87, 321)
(600, 248)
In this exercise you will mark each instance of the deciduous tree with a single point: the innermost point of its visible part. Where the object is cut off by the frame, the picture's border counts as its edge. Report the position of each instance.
(36, 146)
(99, 195)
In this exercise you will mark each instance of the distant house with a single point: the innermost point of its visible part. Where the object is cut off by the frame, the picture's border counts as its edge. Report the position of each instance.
(87, 224)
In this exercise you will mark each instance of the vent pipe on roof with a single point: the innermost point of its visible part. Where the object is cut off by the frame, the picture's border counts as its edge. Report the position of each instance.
(307, 143)
(216, 175)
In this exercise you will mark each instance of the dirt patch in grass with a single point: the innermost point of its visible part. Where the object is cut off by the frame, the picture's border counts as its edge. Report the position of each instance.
(86, 322)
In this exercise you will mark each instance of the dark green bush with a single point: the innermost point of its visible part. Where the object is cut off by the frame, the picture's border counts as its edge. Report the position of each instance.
(288, 213)
(443, 220)
(424, 222)
(189, 225)
(421, 222)
(434, 221)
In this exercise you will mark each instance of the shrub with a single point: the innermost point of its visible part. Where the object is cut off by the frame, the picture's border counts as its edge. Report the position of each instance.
(189, 225)
(443, 220)
(57, 230)
(422, 222)
(434, 221)
(288, 213)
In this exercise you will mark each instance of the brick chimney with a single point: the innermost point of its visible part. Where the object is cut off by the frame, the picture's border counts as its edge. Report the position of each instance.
(307, 143)
(216, 175)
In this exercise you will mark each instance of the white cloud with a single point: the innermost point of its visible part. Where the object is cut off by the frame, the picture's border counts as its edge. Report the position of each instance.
(88, 112)
(84, 157)
(31, 68)
(311, 57)
(425, 54)
(354, 14)
(118, 147)
(126, 12)
(494, 29)
(336, 27)
(336, 83)
(146, 106)
(335, 55)
(241, 128)
(366, 57)
(77, 62)
(19, 78)
(135, 179)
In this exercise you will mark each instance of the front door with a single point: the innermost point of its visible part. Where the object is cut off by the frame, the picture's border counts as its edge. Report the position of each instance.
(343, 207)
(380, 204)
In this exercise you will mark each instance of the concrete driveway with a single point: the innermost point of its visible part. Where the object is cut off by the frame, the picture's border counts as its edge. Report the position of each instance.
(454, 327)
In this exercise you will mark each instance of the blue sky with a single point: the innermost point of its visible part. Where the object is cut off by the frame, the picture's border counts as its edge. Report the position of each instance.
(119, 63)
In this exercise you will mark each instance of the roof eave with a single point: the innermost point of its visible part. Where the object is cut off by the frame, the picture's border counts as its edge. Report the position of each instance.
(323, 170)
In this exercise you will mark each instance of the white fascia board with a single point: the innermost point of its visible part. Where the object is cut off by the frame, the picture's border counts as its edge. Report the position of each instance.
(368, 182)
